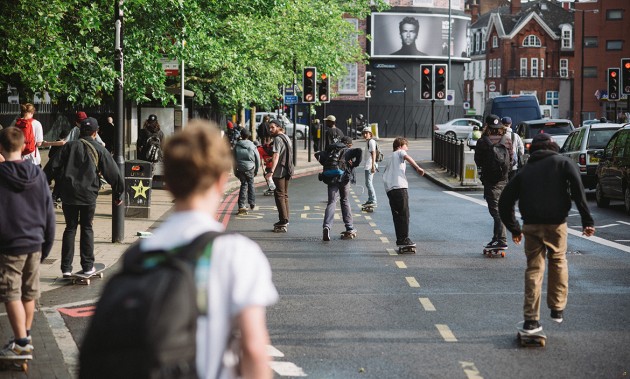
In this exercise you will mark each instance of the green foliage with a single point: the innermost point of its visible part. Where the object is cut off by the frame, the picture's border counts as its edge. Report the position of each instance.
(236, 52)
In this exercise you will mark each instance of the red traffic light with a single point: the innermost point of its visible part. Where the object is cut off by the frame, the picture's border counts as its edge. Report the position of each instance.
(324, 76)
(613, 74)
(627, 65)
(426, 71)
(308, 73)
(440, 71)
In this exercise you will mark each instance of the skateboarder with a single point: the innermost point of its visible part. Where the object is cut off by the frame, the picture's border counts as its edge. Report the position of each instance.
(281, 172)
(26, 238)
(396, 185)
(342, 159)
(544, 189)
(247, 162)
(370, 167)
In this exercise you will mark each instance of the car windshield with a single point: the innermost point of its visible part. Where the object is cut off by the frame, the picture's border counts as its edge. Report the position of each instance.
(518, 111)
(598, 138)
(550, 128)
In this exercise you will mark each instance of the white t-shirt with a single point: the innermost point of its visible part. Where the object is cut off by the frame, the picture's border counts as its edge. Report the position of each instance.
(38, 131)
(394, 176)
(240, 276)
(367, 154)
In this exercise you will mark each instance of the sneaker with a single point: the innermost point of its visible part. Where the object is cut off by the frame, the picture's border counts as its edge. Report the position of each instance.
(405, 242)
(556, 316)
(252, 206)
(496, 245)
(66, 274)
(282, 223)
(531, 326)
(14, 351)
(326, 234)
(89, 272)
(28, 338)
(242, 211)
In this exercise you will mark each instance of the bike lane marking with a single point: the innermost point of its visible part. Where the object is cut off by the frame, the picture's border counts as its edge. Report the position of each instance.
(470, 370)
(401, 264)
(412, 282)
(427, 304)
(446, 332)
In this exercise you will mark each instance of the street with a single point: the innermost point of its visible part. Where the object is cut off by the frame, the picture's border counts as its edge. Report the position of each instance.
(355, 309)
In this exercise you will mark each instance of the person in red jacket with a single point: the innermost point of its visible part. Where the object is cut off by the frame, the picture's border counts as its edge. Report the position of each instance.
(266, 156)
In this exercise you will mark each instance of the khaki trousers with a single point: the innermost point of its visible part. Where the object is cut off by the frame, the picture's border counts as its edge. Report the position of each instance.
(545, 241)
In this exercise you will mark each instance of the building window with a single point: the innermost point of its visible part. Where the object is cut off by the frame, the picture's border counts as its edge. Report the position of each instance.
(590, 42)
(567, 37)
(614, 45)
(542, 67)
(348, 84)
(590, 72)
(531, 41)
(564, 68)
(483, 41)
(477, 42)
(523, 67)
(495, 41)
(534, 68)
(551, 98)
(499, 68)
(614, 14)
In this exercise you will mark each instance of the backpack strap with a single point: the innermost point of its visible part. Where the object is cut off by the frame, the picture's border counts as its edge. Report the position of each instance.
(93, 154)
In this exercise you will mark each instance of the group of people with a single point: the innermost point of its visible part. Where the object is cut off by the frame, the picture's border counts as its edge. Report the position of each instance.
(544, 188)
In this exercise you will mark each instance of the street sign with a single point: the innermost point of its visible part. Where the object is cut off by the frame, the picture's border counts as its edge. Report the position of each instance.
(290, 99)
(170, 66)
(289, 90)
(450, 97)
(396, 91)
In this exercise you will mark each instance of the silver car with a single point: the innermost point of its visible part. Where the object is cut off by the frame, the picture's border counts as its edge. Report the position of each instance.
(457, 128)
(301, 129)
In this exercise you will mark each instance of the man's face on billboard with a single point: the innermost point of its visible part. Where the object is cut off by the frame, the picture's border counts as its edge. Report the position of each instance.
(408, 34)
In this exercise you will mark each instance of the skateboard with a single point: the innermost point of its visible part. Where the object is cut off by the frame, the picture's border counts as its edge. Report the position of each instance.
(280, 229)
(349, 235)
(269, 192)
(80, 278)
(538, 339)
(368, 208)
(242, 212)
(407, 249)
(494, 252)
(16, 364)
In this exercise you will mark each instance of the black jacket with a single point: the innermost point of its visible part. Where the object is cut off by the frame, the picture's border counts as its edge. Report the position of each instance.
(544, 189)
(27, 217)
(484, 155)
(352, 156)
(77, 177)
(143, 137)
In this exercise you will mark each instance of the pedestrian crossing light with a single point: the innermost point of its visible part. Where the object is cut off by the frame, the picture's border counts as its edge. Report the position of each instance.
(440, 81)
(625, 76)
(613, 84)
(324, 88)
(308, 85)
(426, 82)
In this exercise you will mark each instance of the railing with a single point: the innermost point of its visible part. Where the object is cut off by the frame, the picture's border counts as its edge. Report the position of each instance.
(449, 154)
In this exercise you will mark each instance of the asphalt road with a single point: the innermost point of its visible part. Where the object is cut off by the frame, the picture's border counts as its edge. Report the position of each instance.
(351, 309)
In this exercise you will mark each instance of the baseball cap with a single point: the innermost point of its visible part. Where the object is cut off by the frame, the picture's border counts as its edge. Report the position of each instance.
(493, 121)
(506, 120)
(152, 117)
(331, 118)
(230, 125)
(89, 125)
(80, 116)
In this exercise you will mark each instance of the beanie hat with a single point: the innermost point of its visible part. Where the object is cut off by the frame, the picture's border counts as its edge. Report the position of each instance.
(80, 116)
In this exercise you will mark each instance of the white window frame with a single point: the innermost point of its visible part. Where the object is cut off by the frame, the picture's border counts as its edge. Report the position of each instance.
(495, 41)
(531, 41)
(483, 41)
(542, 67)
(534, 67)
(567, 37)
(523, 67)
(477, 42)
(564, 68)
(498, 67)
(349, 84)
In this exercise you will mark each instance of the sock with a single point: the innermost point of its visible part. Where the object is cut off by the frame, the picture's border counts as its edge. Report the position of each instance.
(21, 341)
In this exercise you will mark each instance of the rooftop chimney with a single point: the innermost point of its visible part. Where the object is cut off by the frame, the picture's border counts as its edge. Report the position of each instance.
(515, 6)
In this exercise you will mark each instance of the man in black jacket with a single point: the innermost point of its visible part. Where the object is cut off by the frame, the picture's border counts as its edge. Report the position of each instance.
(76, 171)
(544, 189)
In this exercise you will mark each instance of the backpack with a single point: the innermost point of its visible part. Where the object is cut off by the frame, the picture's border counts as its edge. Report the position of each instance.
(334, 165)
(379, 154)
(153, 150)
(26, 125)
(497, 164)
(145, 322)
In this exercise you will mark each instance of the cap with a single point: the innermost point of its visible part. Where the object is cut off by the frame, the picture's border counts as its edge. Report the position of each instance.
(493, 121)
(276, 122)
(331, 118)
(366, 131)
(244, 133)
(506, 120)
(81, 116)
(230, 125)
(89, 125)
(152, 117)
(542, 137)
(346, 140)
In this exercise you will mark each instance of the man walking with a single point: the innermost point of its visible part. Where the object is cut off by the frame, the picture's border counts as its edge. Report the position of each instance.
(281, 172)
(76, 171)
(333, 134)
(370, 166)
(518, 148)
(247, 162)
(544, 189)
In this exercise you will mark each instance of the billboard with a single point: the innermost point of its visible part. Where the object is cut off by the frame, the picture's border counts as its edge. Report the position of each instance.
(419, 36)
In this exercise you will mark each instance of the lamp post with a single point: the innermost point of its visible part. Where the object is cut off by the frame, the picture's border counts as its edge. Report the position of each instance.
(118, 210)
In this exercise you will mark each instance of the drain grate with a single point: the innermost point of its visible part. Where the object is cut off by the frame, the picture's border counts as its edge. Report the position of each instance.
(49, 261)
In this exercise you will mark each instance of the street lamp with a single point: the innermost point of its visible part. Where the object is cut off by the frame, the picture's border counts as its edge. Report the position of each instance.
(582, 63)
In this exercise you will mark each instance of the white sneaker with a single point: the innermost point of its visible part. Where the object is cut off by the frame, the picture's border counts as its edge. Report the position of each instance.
(89, 272)
(15, 351)
(66, 274)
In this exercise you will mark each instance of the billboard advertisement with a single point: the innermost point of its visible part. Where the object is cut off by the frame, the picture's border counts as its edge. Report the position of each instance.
(419, 36)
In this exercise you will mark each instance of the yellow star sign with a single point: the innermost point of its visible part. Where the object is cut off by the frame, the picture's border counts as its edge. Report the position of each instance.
(140, 189)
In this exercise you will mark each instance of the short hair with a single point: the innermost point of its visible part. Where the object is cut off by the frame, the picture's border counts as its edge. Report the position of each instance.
(195, 158)
(409, 20)
(488, 131)
(27, 108)
(544, 145)
(400, 142)
(12, 139)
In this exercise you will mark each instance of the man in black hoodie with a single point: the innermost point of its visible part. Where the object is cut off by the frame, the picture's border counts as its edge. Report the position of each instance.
(76, 171)
(27, 233)
(544, 189)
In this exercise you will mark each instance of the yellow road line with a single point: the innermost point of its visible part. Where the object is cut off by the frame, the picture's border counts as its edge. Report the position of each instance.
(446, 333)
(384, 240)
(391, 252)
(470, 370)
(401, 264)
(426, 304)
(412, 282)
(367, 217)
(372, 224)
(378, 232)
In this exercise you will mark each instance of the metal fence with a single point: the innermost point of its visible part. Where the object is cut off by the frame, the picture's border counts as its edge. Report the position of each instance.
(449, 154)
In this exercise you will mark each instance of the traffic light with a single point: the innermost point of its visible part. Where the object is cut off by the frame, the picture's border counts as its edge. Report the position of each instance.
(439, 89)
(625, 76)
(308, 85)
(370, 83)
(324, 89)
(426, 82)
(613, 84)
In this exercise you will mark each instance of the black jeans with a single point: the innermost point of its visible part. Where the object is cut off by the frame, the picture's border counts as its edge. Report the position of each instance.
(76, 215)
(247, 188)
(399, 204)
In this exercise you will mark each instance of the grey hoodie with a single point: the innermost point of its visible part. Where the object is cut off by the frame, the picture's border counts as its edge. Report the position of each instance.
(27, 219)
(246, 156)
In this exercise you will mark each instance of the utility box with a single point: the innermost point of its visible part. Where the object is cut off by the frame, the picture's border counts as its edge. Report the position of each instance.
(470, 176)
(374, 128)
(138, 183)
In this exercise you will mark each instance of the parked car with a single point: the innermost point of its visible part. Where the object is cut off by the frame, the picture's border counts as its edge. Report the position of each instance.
(457, 128)
(583, 143)
(518, 107)
(613, 170)
(558, 128)
(288, 125)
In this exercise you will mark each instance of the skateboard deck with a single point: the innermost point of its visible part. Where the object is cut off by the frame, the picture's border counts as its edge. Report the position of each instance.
(538, 339)
(80, 278)
(348, 235)
(280, 229)
(15, 364)
(494, 252)
(368, 208)
(407, 249)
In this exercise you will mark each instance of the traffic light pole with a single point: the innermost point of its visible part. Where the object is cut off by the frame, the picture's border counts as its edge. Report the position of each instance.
(432, 128)
(118, 210)
(405, 112)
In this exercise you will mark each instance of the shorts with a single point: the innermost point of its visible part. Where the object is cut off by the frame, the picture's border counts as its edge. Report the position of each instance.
(19, 277)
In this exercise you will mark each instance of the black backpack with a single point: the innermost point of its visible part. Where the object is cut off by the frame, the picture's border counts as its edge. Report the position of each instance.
(153, 150)
(145, 322)
(497, 165)
(335, 165)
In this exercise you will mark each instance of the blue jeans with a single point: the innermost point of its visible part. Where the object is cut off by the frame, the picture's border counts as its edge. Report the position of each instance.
(76, 215)
(247, 188)
(369, 176)
(338, 190)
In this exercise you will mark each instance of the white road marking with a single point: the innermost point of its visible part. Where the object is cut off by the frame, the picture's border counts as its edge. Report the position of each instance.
(426, 304)
(273, 352)
(384, 240)
(377, 232)
(596, 226)
(391, 252)
(287, 369)
(624, 222)
(401, 264)
(470, 370)
(372, 224)
(594, 239)
(446, 333)
(412, 282)
(65, 341)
